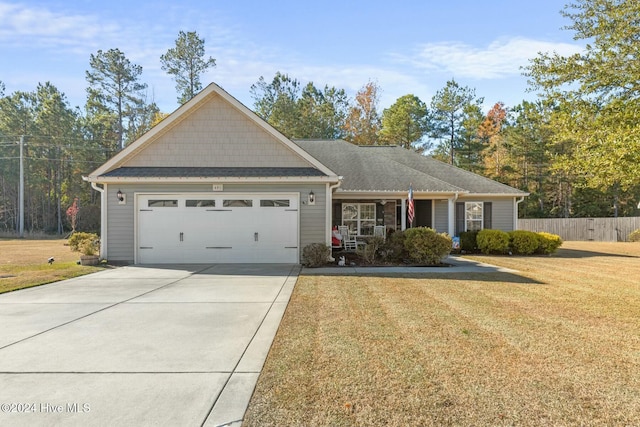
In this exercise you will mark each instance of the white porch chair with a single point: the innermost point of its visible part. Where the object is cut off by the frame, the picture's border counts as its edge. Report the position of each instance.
(380, 231)
(349, 240)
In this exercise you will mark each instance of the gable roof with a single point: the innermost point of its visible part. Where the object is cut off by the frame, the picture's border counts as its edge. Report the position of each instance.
(383, 168)
(167, 145)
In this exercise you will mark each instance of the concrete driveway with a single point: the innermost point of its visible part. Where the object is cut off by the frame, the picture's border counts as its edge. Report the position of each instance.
(140, 345)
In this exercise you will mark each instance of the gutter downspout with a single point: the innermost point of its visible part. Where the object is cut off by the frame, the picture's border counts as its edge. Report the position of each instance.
(329, 212)
(515, 212)
(103, 218)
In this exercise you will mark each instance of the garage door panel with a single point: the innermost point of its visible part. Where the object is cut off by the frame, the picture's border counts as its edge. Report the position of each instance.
(158, 237)
(279, 227)
(225, 228)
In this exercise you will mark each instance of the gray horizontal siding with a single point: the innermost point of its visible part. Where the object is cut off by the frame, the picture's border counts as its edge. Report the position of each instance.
(502, 214)
(441, 212)
(121, 218)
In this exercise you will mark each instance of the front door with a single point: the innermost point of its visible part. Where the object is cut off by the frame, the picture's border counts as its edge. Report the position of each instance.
(423, 213)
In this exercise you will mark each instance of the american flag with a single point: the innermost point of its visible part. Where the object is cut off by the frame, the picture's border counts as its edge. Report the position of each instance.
(410, 208)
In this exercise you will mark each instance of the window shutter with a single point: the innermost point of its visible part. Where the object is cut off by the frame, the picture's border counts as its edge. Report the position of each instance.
(459, 218)
(486, 214)
(379, 214)
(337, 214)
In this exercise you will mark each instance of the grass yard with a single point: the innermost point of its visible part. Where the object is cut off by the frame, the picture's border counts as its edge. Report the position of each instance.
(556, 344)
(23, 263)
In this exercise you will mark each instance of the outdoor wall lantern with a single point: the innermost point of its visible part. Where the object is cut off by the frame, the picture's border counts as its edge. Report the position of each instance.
(312, 198)
(121, 197)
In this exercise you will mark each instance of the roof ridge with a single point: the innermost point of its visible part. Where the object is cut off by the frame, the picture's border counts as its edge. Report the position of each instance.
(474, 174)
(462, 190)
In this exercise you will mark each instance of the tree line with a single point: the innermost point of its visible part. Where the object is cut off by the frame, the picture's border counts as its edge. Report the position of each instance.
(61, 143)
(576, 149)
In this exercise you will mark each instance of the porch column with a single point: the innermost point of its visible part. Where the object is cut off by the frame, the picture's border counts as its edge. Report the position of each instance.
(328, 213)
(403, 220)
(451, 215)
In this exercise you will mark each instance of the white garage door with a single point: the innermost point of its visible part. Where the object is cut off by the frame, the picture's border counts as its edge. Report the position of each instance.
(218, 228)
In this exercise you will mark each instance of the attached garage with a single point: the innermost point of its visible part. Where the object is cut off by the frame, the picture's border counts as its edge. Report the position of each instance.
(217, 228)
(212, 183)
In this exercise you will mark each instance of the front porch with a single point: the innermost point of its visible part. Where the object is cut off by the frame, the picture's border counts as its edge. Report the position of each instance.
(362, 215)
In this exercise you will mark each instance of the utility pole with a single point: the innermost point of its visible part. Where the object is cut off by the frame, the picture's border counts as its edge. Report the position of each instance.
(21, 193)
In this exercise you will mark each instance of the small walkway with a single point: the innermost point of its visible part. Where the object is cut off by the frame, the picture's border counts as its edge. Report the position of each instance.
(456, 265)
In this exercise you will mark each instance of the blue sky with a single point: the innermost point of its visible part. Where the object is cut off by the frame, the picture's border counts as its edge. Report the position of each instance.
(406, 46)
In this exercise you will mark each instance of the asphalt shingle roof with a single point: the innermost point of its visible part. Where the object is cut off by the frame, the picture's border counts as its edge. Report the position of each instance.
(210, 172)
(392, 168)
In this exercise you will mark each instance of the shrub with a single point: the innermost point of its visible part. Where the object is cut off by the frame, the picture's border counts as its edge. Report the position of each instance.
(524, 242)
(468, 241)
(493, 241)
(635, 236)
(548, 243)
(90, 246)
(370, 252)
(315, 255)
(425, 246)
(83, 242)
(393, 249)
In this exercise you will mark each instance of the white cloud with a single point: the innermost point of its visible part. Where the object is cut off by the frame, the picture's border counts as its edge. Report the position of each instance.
(501, 58)
(22, 26)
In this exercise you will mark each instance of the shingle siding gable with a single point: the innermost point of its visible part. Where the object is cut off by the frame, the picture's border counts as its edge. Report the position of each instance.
(216, 135)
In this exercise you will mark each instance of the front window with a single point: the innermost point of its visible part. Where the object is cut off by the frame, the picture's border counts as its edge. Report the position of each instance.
(473, 216)
(359, 217)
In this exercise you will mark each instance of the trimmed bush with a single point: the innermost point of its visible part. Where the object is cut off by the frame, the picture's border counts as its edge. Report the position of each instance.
(393, 249)
(548, 243)
(425, 246)
(370, 252)
(524, 242)
(315, 255)
(84, 242)
(635, 236)
(468, 241)
(493, 241)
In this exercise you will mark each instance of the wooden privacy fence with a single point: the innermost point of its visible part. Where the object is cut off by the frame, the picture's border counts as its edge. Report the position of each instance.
(598, 229)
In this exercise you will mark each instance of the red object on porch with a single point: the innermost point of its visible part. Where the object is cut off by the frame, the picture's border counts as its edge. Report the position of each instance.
(336, 238)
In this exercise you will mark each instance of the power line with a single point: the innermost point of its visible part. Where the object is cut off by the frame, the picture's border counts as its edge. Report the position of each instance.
(8, 138)
(21, 198)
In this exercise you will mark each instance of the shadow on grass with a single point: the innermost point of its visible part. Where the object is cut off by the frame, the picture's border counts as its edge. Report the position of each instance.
(575, 253)
(493, 277)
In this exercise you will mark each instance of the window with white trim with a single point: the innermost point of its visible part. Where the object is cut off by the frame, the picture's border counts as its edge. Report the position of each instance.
(473, 216)
(359, 217)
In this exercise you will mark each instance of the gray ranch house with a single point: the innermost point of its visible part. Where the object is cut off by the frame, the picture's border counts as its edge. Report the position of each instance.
(214, 183)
